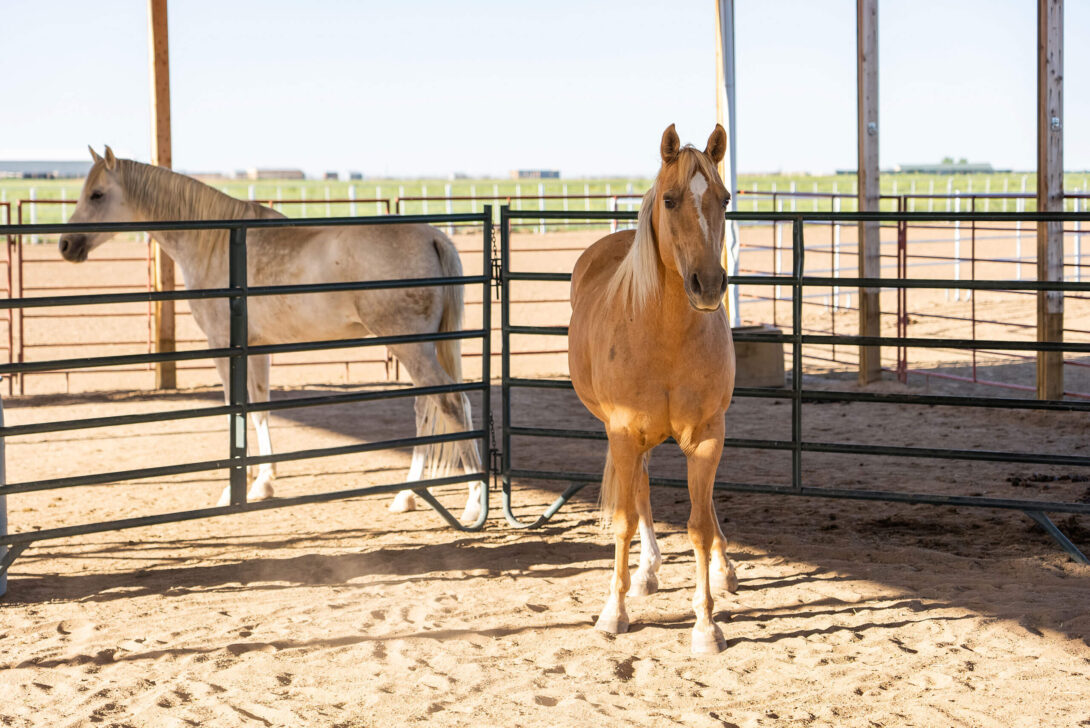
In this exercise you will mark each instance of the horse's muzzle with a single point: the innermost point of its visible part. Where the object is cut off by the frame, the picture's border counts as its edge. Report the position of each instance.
(705, 290)
(74, 247)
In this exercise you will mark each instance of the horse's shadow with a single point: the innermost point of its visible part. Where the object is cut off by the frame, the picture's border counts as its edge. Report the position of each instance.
(457, 560)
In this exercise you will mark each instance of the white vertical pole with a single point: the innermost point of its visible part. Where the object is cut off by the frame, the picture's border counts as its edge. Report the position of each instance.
(949, 192)
(541, 205)
(424, 193)
(814, 199)
(565, 197)
(987, 191)
(725, 115)
(836, 255)
(957, 246)
(250, 192)
(586, 197)
(1078, 237)
(756, 188)
(778, 228)
(912, 199)
(1020, 207)
(931, 191)
(446, 192)
(1006, 190)
(352, 197)
(380, 209)
(33, 211)
(473, 198)
(328, 208)
(303, 195)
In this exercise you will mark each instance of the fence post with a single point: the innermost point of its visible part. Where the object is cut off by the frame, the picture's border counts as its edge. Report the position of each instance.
(3, 507)
(238, 362)
(352, 198)
(867, 185)
(541, 204)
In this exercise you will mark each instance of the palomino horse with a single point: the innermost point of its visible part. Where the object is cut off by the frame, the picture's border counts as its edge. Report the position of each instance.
(121, 190)
(651, 356)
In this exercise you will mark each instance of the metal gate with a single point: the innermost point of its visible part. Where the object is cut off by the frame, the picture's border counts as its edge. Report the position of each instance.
(237, 460)
(516, 424)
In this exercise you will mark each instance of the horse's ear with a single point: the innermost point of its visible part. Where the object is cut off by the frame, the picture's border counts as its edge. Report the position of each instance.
(671, 145)
(94, 154)
(111, 160)
(717, 144)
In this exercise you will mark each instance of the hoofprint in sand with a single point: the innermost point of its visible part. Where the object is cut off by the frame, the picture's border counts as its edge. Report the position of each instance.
(848, 613)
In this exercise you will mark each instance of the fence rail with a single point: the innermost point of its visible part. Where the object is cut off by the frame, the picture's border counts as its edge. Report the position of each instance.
(238, 352)
(797, 394)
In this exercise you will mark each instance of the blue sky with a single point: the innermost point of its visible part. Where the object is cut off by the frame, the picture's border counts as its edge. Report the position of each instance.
(423, 87)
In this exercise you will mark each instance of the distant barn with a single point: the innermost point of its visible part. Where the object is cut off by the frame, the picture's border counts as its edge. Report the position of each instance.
(535, 174)
(44, 169)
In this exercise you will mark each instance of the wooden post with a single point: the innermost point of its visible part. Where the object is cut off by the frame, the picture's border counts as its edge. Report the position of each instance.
(1050, 192)
(870, 363)
(166, 373)
(724, 112)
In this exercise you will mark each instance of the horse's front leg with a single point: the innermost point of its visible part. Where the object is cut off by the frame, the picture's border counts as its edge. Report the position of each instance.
(258, 381)
(703, 454)
(619, 501)
(646, 580)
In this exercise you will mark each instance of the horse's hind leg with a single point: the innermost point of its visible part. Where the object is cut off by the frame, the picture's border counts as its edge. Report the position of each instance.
(436, 414)
(258, 384)
(258, 376)
(645, 581)
(405, 500)
(721, 573)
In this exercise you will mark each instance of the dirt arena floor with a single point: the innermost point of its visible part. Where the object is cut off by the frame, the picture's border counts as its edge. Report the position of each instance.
(343, 614)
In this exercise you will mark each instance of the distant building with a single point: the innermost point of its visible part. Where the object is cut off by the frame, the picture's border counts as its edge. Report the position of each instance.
(535, 174)
(254, 173)
(44, 169)
(335, 176)
(946, 168)
(355, 175)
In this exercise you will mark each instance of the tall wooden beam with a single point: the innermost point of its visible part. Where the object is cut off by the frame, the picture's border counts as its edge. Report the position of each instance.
(166, 373)
(1050, 192)
(724, 112)
(870, 365)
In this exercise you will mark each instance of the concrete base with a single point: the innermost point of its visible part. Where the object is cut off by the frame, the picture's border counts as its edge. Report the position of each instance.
(759, 364)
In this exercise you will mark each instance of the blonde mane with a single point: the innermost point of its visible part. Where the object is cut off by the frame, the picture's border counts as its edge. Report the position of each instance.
(636, 279)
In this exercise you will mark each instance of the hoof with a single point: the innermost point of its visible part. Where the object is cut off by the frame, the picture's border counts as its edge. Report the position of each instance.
(403, 502)
(708, 641)
(643, 585)
(260, 492)
(725, 580)
(471, 513)
(612, 624)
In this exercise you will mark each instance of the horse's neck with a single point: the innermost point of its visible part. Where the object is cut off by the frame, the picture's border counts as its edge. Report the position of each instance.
(200, 253)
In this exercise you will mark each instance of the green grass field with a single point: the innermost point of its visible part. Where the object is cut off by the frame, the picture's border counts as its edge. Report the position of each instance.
(316, 192)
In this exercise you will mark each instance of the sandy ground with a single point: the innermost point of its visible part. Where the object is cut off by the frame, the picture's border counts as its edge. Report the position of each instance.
(848, 613)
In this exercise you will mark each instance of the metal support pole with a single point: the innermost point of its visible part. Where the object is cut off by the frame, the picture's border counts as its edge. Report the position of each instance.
(239, 363)
(797, 243)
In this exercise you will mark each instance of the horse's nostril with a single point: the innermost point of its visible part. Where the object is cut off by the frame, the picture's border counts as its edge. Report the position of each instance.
(64, 245)
(694, 283)
(723, 285)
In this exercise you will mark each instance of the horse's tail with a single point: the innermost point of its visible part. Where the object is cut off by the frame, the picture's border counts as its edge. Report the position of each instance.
(442, 457)
(450, 351)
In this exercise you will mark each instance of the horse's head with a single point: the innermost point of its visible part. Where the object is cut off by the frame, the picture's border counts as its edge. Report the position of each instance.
(688, 216)
(102, 199)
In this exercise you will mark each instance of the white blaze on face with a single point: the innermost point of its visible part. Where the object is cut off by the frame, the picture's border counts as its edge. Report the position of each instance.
(698, 186)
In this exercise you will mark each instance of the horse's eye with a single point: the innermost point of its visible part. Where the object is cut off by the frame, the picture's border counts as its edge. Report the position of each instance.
(726, 201)
(669, 202)
(97, 195)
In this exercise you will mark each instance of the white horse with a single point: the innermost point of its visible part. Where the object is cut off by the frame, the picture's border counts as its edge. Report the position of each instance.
(122, 190)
